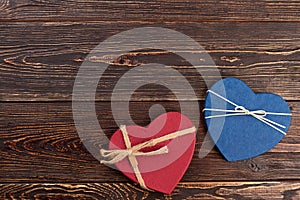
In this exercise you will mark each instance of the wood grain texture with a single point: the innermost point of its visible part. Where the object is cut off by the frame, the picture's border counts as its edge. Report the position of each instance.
(42, 45)
(184, 191)
(176, 10)
(39, 143)
(39, 61)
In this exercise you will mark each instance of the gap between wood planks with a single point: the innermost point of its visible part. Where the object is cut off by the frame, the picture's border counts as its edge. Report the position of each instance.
(147, 21)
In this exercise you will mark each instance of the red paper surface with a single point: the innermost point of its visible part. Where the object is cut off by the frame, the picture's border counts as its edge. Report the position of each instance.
(160, 172)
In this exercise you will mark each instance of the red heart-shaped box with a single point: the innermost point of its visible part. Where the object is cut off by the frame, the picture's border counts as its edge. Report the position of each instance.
(160, 172)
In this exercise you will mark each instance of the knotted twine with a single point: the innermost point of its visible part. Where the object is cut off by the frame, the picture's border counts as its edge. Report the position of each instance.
(240, 110)
(117, 155)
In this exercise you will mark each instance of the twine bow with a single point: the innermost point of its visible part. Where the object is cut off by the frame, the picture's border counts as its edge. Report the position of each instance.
(240, 110)
(117, 155)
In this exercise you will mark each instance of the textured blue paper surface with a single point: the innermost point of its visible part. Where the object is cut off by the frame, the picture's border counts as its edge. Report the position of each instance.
(243, 137)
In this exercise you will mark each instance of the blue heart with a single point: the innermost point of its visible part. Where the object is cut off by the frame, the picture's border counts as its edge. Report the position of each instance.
(243, 136)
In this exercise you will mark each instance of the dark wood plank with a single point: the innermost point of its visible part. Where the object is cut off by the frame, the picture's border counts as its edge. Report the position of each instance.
(194, 190)
(39, 143)
(177, 10)
(39, 61)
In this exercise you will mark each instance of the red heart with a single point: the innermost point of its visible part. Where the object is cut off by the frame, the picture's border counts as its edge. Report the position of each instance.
(160, 172)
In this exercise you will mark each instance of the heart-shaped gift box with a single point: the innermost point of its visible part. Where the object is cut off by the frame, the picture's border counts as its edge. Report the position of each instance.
(244, 124)
(162, 165)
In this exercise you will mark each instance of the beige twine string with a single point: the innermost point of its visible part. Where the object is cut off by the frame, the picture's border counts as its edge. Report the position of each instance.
(118, 155)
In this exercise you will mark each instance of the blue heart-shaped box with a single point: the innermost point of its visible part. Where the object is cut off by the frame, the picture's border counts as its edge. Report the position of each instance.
(243, 137)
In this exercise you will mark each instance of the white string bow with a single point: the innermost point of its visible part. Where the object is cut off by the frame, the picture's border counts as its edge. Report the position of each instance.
(240, 110)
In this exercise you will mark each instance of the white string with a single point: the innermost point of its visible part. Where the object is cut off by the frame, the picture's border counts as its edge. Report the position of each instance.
(240, 110)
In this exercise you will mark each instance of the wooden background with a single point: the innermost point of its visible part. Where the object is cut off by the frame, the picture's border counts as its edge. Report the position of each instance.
(42, 45)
